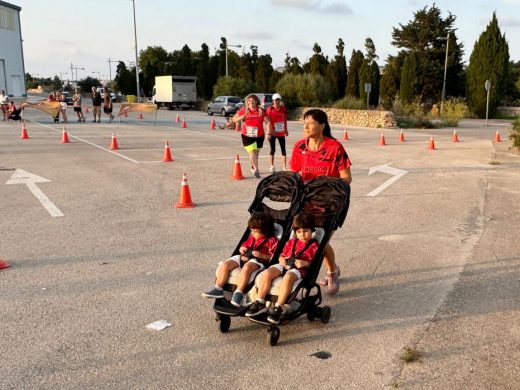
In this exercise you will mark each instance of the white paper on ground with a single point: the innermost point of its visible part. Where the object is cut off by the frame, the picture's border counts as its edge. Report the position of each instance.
(159, 325)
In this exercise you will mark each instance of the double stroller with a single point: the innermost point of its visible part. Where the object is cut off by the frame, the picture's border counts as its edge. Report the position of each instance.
(282, 196)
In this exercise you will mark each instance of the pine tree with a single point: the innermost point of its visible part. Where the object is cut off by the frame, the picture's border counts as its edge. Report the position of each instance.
(356, 60)
(489, 61)
(409, 79)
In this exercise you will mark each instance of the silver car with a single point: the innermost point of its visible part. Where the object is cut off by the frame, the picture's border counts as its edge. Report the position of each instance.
(225, 105)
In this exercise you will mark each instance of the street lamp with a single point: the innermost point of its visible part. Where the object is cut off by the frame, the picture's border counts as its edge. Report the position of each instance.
(61, 77)
(72, 67)
(110, 66)
(99, 75)
(443, 96)
(136, 57)
(226, 47)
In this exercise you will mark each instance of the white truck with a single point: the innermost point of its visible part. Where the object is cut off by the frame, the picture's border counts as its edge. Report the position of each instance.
(175, 91)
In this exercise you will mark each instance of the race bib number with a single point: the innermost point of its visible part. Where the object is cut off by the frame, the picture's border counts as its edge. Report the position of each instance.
(279, 127)
(252, 131)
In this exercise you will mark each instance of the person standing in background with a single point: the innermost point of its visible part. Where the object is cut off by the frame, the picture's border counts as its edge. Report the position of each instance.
(76, 98)
(278, 117)
(96, 104)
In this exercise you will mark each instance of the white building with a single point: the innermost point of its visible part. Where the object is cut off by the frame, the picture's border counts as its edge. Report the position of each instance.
(12, 68)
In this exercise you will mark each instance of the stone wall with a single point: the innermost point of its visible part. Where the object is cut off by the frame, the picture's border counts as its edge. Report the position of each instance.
(509, 111)
(361, 118)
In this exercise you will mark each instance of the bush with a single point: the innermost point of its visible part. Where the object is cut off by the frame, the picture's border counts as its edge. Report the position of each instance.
(303, 90)
(454, 110)
(515, 133)
(350, 103)
(233, 86)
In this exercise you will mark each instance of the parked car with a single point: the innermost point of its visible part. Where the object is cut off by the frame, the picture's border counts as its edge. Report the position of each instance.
(225, 105)
(112, 94)
(266, 99)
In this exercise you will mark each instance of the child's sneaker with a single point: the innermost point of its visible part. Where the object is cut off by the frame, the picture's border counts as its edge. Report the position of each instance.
(272, 170)
(256, 309)
(215, 292)
(237, 298)
(274, 314)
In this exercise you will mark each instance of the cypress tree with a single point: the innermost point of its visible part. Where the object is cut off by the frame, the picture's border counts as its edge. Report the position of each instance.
(356, 60)
(409, 79)
(489, 61)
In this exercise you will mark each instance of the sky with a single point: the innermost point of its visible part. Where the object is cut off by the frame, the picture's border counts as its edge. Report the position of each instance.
(87, 33)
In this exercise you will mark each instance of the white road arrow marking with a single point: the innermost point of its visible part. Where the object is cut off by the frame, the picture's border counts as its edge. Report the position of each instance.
(29, 179)
(395, 172)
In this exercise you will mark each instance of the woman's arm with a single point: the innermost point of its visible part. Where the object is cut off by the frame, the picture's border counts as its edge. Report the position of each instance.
(346, 175)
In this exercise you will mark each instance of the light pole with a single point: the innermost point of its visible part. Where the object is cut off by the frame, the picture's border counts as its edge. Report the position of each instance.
(227, 45)
(487, 85)
(99, 75)
(443, 96)
(110, 66)
(136, 57)
(72, 67)
(61, 77)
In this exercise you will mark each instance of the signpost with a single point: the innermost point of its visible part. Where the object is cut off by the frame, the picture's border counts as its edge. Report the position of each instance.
(487, 85)
(368, 89)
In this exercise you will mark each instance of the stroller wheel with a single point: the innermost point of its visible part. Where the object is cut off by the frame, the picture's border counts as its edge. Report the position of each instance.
(325, 314)
(273, 334)
(312, 313)
(224, 322)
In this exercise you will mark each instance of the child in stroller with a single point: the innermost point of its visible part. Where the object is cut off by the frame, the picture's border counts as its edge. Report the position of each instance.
(254, 254)
(14, 113)
(296, 257)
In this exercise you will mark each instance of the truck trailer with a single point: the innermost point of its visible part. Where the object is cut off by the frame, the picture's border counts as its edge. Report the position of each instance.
(175, 91)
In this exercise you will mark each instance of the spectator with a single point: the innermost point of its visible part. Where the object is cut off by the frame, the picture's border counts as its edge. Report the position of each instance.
(76, 98)
(107, 104)
(96, 104)
(4, 103)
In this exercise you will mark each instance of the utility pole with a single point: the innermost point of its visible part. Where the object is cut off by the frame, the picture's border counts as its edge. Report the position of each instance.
(136, 58)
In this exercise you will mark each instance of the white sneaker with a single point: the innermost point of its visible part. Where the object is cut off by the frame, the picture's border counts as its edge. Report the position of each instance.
(272, 170)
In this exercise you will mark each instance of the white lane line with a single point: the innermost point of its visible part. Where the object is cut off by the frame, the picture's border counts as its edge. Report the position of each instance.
(92, 144)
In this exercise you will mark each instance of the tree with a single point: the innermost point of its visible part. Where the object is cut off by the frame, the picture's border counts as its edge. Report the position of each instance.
(292, 65)
(356, 60)
(205, 78)
(317, 63)
(409, 79)
(124, 79)
(336, 73)
(488, 61)
(263, 72)
(426, 35)
(390, 81)
(87, 83)
(153, 62)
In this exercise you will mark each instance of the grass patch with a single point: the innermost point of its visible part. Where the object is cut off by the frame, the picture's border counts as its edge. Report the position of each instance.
(410, 355)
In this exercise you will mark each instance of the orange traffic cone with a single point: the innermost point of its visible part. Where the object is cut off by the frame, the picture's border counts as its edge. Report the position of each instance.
(455, 137)
(167, 156)
(178, 119)
(237, 170)
(114, 145)
(212, 124)
(497, 137)
(140, 116)
(184, 123)
(345, 135)
(4, 264)
(24, 134)
(64, 136)
(431, 144)
(184, 196)
(382, 140)
(401, 136)
(86, 110)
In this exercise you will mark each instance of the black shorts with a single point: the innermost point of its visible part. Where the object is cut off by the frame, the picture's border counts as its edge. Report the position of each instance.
(107, 110)
(77, 109)
(246, 141)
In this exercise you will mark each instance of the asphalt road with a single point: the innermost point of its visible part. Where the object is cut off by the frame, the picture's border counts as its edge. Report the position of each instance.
(428, 262)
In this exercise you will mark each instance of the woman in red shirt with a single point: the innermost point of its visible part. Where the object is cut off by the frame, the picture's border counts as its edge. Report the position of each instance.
(278, 117)
(253, 117)
(319, 154)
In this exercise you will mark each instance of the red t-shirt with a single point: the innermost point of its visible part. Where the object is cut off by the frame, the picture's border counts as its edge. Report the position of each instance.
(328, 160)
(278, 118)
(309, 253)
(253, 125)
(266, 248)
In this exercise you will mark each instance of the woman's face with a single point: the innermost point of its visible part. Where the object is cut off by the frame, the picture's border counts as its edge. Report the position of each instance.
(277, 103)
(251, 102)
(312, 128)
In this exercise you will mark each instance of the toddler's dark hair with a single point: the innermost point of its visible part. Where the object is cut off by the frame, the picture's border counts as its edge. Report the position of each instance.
(262, 221)
(303, 221)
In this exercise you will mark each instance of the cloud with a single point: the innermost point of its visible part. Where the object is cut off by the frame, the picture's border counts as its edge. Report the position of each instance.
(329, 7)
(509, 21)
(254, 35)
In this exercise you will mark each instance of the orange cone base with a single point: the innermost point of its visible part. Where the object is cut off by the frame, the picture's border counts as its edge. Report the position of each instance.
(181, 205)
(4, 264)
(65, 138)
(382, 140)
(431, 144)
(184, 125)
(178, 119)
(497, 137)
(401, 136)
(167, 157)
(114, 145)
(345, 135)
(237, 170)
(455, 137)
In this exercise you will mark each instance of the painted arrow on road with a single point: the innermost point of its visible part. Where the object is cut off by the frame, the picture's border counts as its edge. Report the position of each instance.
(29, 179)
(395, 172)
